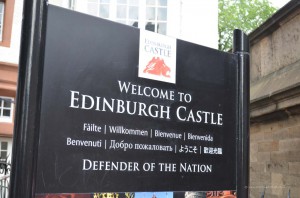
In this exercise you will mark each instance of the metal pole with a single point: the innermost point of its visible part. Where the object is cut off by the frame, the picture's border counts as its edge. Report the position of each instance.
(25, 142)
(241, 50)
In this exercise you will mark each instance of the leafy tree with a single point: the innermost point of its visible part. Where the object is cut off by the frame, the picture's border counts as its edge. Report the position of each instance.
(241, 14)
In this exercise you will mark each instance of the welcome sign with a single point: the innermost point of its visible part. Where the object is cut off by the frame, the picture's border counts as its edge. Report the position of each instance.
(128, 111)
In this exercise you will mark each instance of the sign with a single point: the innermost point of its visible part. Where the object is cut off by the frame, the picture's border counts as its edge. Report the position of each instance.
(125, 110)
(157, 57)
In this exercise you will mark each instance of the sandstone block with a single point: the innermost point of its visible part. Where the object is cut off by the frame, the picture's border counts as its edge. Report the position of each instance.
(263, 156)
(278, 167)
(288, 156)
(268, 146)
(290, 145)
(294, 168)
(257, 167)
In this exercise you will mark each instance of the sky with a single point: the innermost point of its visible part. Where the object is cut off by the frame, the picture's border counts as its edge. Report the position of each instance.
(279, 3)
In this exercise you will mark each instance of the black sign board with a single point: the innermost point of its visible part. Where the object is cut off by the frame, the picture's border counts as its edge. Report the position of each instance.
(103, 128)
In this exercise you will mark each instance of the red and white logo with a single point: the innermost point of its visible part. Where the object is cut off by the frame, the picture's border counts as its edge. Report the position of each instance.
(157, 58)
(158, 67)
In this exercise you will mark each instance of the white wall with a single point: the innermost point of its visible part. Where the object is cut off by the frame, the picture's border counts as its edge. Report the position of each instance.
(11, 54)
(174, 18)
(195, 21)
(199, 22)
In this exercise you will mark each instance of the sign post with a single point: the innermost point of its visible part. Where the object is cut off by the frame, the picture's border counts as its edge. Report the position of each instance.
(26, 124)
(241, 49)
(108, 108)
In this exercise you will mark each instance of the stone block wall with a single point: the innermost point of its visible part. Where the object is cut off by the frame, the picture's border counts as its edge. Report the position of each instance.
(275, 105)
(276, 50)
(275, 158)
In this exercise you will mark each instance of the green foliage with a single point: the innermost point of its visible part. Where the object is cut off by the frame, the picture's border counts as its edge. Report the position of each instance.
(246, 15)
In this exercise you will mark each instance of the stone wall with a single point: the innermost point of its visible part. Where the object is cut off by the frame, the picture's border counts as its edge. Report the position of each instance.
(275, 105)
(275, 158)
(277, 50)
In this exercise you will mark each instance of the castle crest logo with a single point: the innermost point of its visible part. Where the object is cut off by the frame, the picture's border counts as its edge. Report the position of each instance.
(157, 57)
